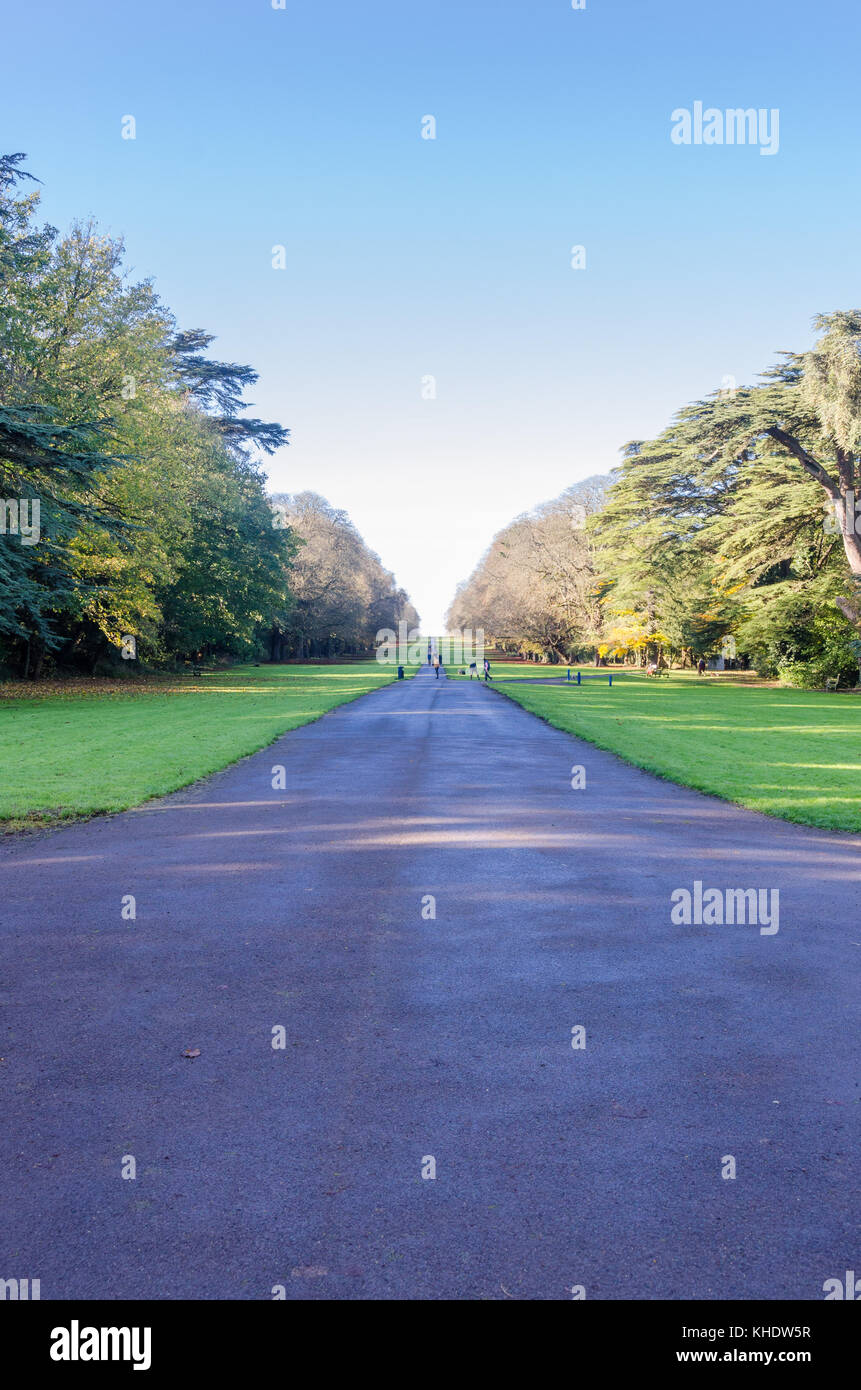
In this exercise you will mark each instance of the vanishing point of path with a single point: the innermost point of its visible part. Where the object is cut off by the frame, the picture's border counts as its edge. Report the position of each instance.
(411, 1037)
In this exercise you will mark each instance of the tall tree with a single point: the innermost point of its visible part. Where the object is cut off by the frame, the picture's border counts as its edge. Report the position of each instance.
(342, 596)
(533, 590)
(155, 520)
(802, 426)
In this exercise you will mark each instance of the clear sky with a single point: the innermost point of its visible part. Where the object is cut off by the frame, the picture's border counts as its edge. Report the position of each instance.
(451, 258)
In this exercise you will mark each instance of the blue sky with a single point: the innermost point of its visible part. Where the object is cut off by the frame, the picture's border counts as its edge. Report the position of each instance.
(450, 258)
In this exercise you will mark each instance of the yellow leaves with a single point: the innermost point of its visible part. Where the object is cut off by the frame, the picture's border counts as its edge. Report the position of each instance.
(636, 637)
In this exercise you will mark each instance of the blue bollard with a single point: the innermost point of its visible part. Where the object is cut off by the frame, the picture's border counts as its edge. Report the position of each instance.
(611, 677)
(578, 677)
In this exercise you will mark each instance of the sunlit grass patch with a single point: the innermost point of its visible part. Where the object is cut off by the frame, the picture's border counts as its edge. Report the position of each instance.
(788, 753)
(77, 748)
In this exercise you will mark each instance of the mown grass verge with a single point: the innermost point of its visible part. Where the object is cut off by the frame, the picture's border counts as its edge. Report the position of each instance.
(788, 753)
(80, 748)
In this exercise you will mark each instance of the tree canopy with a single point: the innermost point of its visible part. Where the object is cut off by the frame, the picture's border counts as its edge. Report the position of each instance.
(342, 595)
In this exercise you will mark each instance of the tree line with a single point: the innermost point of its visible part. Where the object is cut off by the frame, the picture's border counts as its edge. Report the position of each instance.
(132, 494)
(733, 531)
(342, 595)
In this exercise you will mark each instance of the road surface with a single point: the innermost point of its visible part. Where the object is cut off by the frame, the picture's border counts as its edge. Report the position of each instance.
(410, 1037)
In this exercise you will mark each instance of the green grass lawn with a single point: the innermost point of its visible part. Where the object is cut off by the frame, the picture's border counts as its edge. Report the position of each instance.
(789, 753)
(77, 748)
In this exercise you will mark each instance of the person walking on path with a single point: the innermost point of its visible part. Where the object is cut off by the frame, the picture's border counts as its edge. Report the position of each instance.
(487, 675)
(436, 666)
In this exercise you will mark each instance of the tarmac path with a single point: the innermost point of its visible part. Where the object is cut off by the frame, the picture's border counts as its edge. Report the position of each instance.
(410, 1037)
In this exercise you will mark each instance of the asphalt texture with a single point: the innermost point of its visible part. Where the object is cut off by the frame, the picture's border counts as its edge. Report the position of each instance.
(411, 1037)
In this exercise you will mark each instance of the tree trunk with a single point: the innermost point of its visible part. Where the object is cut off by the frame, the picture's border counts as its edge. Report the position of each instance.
(852, 547)
(38, 659)
(851, 607)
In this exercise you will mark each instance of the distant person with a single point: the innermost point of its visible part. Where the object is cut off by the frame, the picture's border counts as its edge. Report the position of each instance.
(436, 667)
(487, 675)
(473, 670)
(701, 666)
